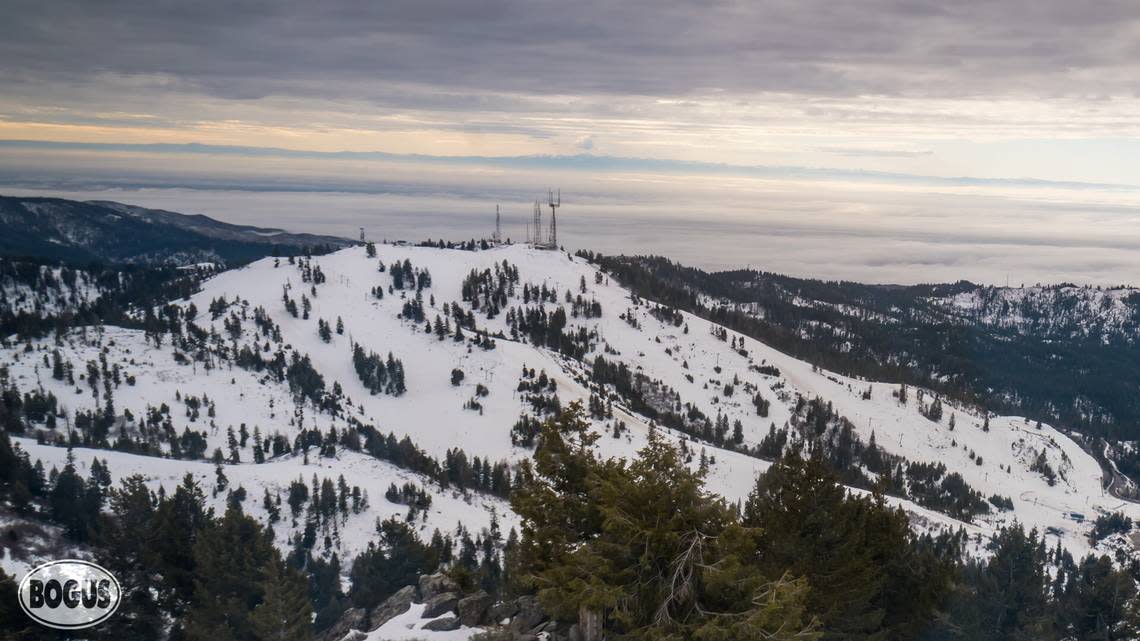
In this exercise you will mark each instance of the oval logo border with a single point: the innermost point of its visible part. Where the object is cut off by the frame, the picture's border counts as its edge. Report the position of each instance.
(57, 626)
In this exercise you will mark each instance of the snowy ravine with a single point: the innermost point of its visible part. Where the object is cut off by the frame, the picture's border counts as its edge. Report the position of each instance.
(691, 357)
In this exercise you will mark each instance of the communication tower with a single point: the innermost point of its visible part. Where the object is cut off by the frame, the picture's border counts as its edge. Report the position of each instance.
(537, 239)
(555, 201)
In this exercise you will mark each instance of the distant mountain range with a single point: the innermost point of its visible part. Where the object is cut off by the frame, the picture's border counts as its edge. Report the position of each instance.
(109, 232)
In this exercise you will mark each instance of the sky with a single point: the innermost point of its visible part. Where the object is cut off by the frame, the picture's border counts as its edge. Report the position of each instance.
(883, 140)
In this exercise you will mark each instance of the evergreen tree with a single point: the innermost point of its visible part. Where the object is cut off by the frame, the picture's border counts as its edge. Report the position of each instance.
(871, 577)
(228, 559)
(397, 561)
(14, 624)
(128, 536)
(74, 504)
(641, 549)
(285, 611)
(1104, 603)
(1012, 587)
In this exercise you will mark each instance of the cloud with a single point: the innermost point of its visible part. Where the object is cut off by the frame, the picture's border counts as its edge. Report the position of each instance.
(248, 49)
(587, 162)
(793, 107)
(861, 152)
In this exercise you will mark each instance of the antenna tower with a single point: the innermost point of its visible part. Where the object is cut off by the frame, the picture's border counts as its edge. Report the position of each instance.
(362, 234)
(555, 201)
(498, 237)
(537, 224)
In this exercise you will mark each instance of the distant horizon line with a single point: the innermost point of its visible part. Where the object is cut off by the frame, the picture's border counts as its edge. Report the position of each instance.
(748, 268)
(574, 162)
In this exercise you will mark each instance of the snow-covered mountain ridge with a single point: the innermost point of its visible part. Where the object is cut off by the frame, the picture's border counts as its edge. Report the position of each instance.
(109, 232)
(584, 336)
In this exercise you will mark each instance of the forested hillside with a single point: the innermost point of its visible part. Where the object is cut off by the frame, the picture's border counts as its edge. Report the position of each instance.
(79, 233)
(1065, 354)
(435, 439)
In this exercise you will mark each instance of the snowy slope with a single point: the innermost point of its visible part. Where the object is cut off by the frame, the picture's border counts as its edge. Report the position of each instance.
(447, 512)
(689, 358)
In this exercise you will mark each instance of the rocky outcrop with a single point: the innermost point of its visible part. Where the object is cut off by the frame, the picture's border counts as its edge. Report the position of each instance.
(442, 624)
(394, 606)
(529, 614)
(473, 609)
(440, 604)
(435, 584)
(519, 619)
(351, 620)
(502, 611)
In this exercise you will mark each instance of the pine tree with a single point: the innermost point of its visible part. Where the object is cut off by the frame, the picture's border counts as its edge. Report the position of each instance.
(640, 548)
(1012, 590)
(877, 579)
(228, 559)
(285, 611)
(16, 625)
(258, 447)
(73, 504)
(561, 462)
(128, 539)
(381, 570)
(1102, 602)
(232, 445)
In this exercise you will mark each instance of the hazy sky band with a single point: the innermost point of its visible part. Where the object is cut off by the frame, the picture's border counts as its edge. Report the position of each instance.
(584, 162)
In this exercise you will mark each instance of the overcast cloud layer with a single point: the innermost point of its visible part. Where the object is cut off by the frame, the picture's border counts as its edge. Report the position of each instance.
(980, 124)
(251, 49)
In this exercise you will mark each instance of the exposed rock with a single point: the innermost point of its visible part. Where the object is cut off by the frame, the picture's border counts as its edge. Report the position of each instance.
(354, 635)
(549, 627)
(433, 584)
(443, 624)
(504, 610)
(440, 604)
(530, 614)
(473, 609)
(499, 633)
(351, 620)
(395, 605)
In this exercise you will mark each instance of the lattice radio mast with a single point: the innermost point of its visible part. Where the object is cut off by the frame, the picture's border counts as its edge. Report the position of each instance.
(537, 224)
(498, 237)
(555, 201)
